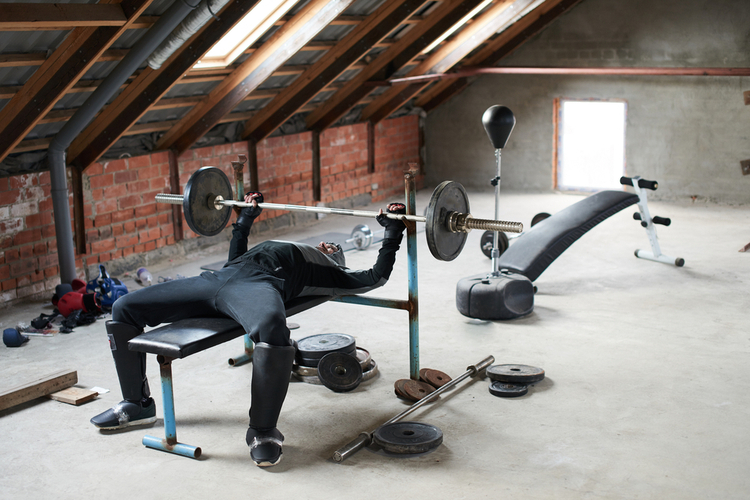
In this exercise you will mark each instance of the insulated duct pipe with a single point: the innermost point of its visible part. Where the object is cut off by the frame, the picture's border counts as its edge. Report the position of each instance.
(96, 101)
(187, 28)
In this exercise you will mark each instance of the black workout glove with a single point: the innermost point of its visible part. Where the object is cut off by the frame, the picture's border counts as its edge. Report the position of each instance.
(248, 214)
(394, 228)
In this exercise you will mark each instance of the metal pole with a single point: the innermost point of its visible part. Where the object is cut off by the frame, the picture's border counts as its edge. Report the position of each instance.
(496, 236)
(413, 274)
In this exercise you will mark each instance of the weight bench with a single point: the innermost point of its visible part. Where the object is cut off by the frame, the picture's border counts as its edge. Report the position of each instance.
(538, 247)
(184, 338)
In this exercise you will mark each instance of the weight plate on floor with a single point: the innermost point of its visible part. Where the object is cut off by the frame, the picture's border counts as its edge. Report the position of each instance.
(340, 372)
(435, 378)
(448, 197)
(317, 346)
(370, 371)
(308, 378)
(398, 388)
(488, 240)
(412, 390)
(361, 237)
(305, 371)
(506, 390)
(407, 437)
(197, 201)
(538, 218)
(363, 356)
(515, 374)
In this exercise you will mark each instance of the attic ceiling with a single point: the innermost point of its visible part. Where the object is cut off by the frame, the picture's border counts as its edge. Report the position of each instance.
(324, 63)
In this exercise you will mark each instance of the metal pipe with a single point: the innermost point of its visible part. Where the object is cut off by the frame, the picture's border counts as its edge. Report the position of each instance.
(413, 277)
(496, 236)
(96, 101)
(365, 438)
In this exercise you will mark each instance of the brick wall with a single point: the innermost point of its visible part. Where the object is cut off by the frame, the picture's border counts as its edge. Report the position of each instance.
(123, 223)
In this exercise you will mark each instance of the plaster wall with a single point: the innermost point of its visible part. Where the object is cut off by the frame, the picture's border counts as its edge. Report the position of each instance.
(688, 133)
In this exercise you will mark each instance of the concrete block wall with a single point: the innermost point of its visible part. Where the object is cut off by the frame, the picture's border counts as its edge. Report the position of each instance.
(125, 228)
(688, 133)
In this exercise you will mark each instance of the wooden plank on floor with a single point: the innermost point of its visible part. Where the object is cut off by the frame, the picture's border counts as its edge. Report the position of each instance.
(74, 395)
(37, 388)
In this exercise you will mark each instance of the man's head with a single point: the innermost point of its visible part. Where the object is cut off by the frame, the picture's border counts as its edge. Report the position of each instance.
(333, 251)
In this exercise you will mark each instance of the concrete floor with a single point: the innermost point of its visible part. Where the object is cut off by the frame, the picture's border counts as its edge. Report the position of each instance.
(646, 394)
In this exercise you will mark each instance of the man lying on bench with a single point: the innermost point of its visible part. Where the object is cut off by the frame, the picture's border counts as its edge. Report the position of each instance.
(251, 288)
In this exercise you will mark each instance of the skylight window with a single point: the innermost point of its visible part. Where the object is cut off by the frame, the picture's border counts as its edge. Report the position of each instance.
(479, 8)
(245, 33)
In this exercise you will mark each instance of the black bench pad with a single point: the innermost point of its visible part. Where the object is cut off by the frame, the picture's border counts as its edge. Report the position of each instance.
(538, 247)
(188, 336)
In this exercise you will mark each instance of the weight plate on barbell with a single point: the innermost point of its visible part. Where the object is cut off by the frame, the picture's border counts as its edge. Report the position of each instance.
(407, 437)
(317, 346)
(448, 197)
(506, 390)
(435, 378)
(340, 372)
(538, 218)
(488, 241)
(197, 202)
(515, 374)
(361, 236)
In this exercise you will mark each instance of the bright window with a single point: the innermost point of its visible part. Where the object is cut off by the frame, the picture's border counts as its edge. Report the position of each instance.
(245, 33)
(590, 144)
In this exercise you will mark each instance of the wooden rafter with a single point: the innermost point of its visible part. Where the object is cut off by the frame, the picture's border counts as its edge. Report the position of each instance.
(59, 16)
(148, 88)
(285, 42)
(57, 75)
(497, 48)
(493, 19)
(346, 53)
(389, 61)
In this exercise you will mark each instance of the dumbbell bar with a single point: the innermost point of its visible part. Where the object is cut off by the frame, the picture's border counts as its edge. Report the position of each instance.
(207, 200)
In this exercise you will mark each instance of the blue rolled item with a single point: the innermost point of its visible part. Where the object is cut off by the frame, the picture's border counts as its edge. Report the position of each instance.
(12, 338)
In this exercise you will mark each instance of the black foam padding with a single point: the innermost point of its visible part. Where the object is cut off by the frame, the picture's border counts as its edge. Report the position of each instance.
(189, 336)
(533, 252)
(506, 296)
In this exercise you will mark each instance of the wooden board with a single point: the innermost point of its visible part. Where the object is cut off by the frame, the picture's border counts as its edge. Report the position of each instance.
(74, 395)
(37, 388)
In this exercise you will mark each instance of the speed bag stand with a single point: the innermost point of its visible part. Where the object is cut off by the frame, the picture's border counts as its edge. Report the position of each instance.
(502, 295)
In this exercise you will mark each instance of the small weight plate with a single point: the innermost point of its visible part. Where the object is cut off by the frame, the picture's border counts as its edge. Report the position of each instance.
(313, 362)
(363, 356)
(488, 241)
(340, 372)
(412, 390)
(317, 346)
(407, 437)
(448, 197)
(515, 374)
(197, 202)
(538, 218)
(505, 390)
(435, 378)
(308, 378)
(398, 388)
(305, 371)
(370, 371)
(361, 237)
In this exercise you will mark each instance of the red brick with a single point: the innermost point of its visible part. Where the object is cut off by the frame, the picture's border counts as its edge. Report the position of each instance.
(103, 246)
(101, 181)
(28, 236)
(160, 157)
(51, 271)
(148, 172)
(139, 161)
(149, 235)
(138, 187)
(115, 166)
(145, 210)
(126, 176)
(10, 284)
(129, 201)
(108, 205)
(23, 267)
(122, 215)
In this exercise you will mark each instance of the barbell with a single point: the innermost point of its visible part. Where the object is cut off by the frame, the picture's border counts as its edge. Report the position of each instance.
(207, 202)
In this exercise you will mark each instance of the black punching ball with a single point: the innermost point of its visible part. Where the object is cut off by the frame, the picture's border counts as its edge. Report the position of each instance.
(498, 121)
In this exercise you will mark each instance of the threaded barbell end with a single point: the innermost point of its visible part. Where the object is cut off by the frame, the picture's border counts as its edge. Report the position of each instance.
(494, 225)
(174, 199)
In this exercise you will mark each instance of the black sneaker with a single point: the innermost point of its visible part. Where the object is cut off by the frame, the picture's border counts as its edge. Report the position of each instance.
(127, 414)
(265, 446)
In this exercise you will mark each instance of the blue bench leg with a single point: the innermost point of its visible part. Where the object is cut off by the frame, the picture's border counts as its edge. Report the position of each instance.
(245, 357)
(169, 442)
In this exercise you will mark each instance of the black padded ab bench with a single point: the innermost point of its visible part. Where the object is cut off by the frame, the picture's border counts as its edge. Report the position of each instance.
(184, 338)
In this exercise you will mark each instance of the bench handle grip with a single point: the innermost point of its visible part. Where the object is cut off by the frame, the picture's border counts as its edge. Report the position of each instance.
(643, 183)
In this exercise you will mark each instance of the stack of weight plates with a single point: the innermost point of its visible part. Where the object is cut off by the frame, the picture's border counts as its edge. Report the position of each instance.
(341, 355)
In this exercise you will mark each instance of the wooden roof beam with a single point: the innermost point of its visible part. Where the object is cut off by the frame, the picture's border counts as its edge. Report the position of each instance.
(497, 48)
(59, 16)
(493, 19)
(57, 75)
(149, 87)
(333, 63)
(389, 61)
(285, 42)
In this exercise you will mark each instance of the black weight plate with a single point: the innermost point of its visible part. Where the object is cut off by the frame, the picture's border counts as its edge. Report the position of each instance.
(488, 240)
(340, 372)
(538, 218)
(313, 363)
(317, 346)
(448, 197)
(407, 437)
(505, 390)
(197, 202)
(515, 374)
